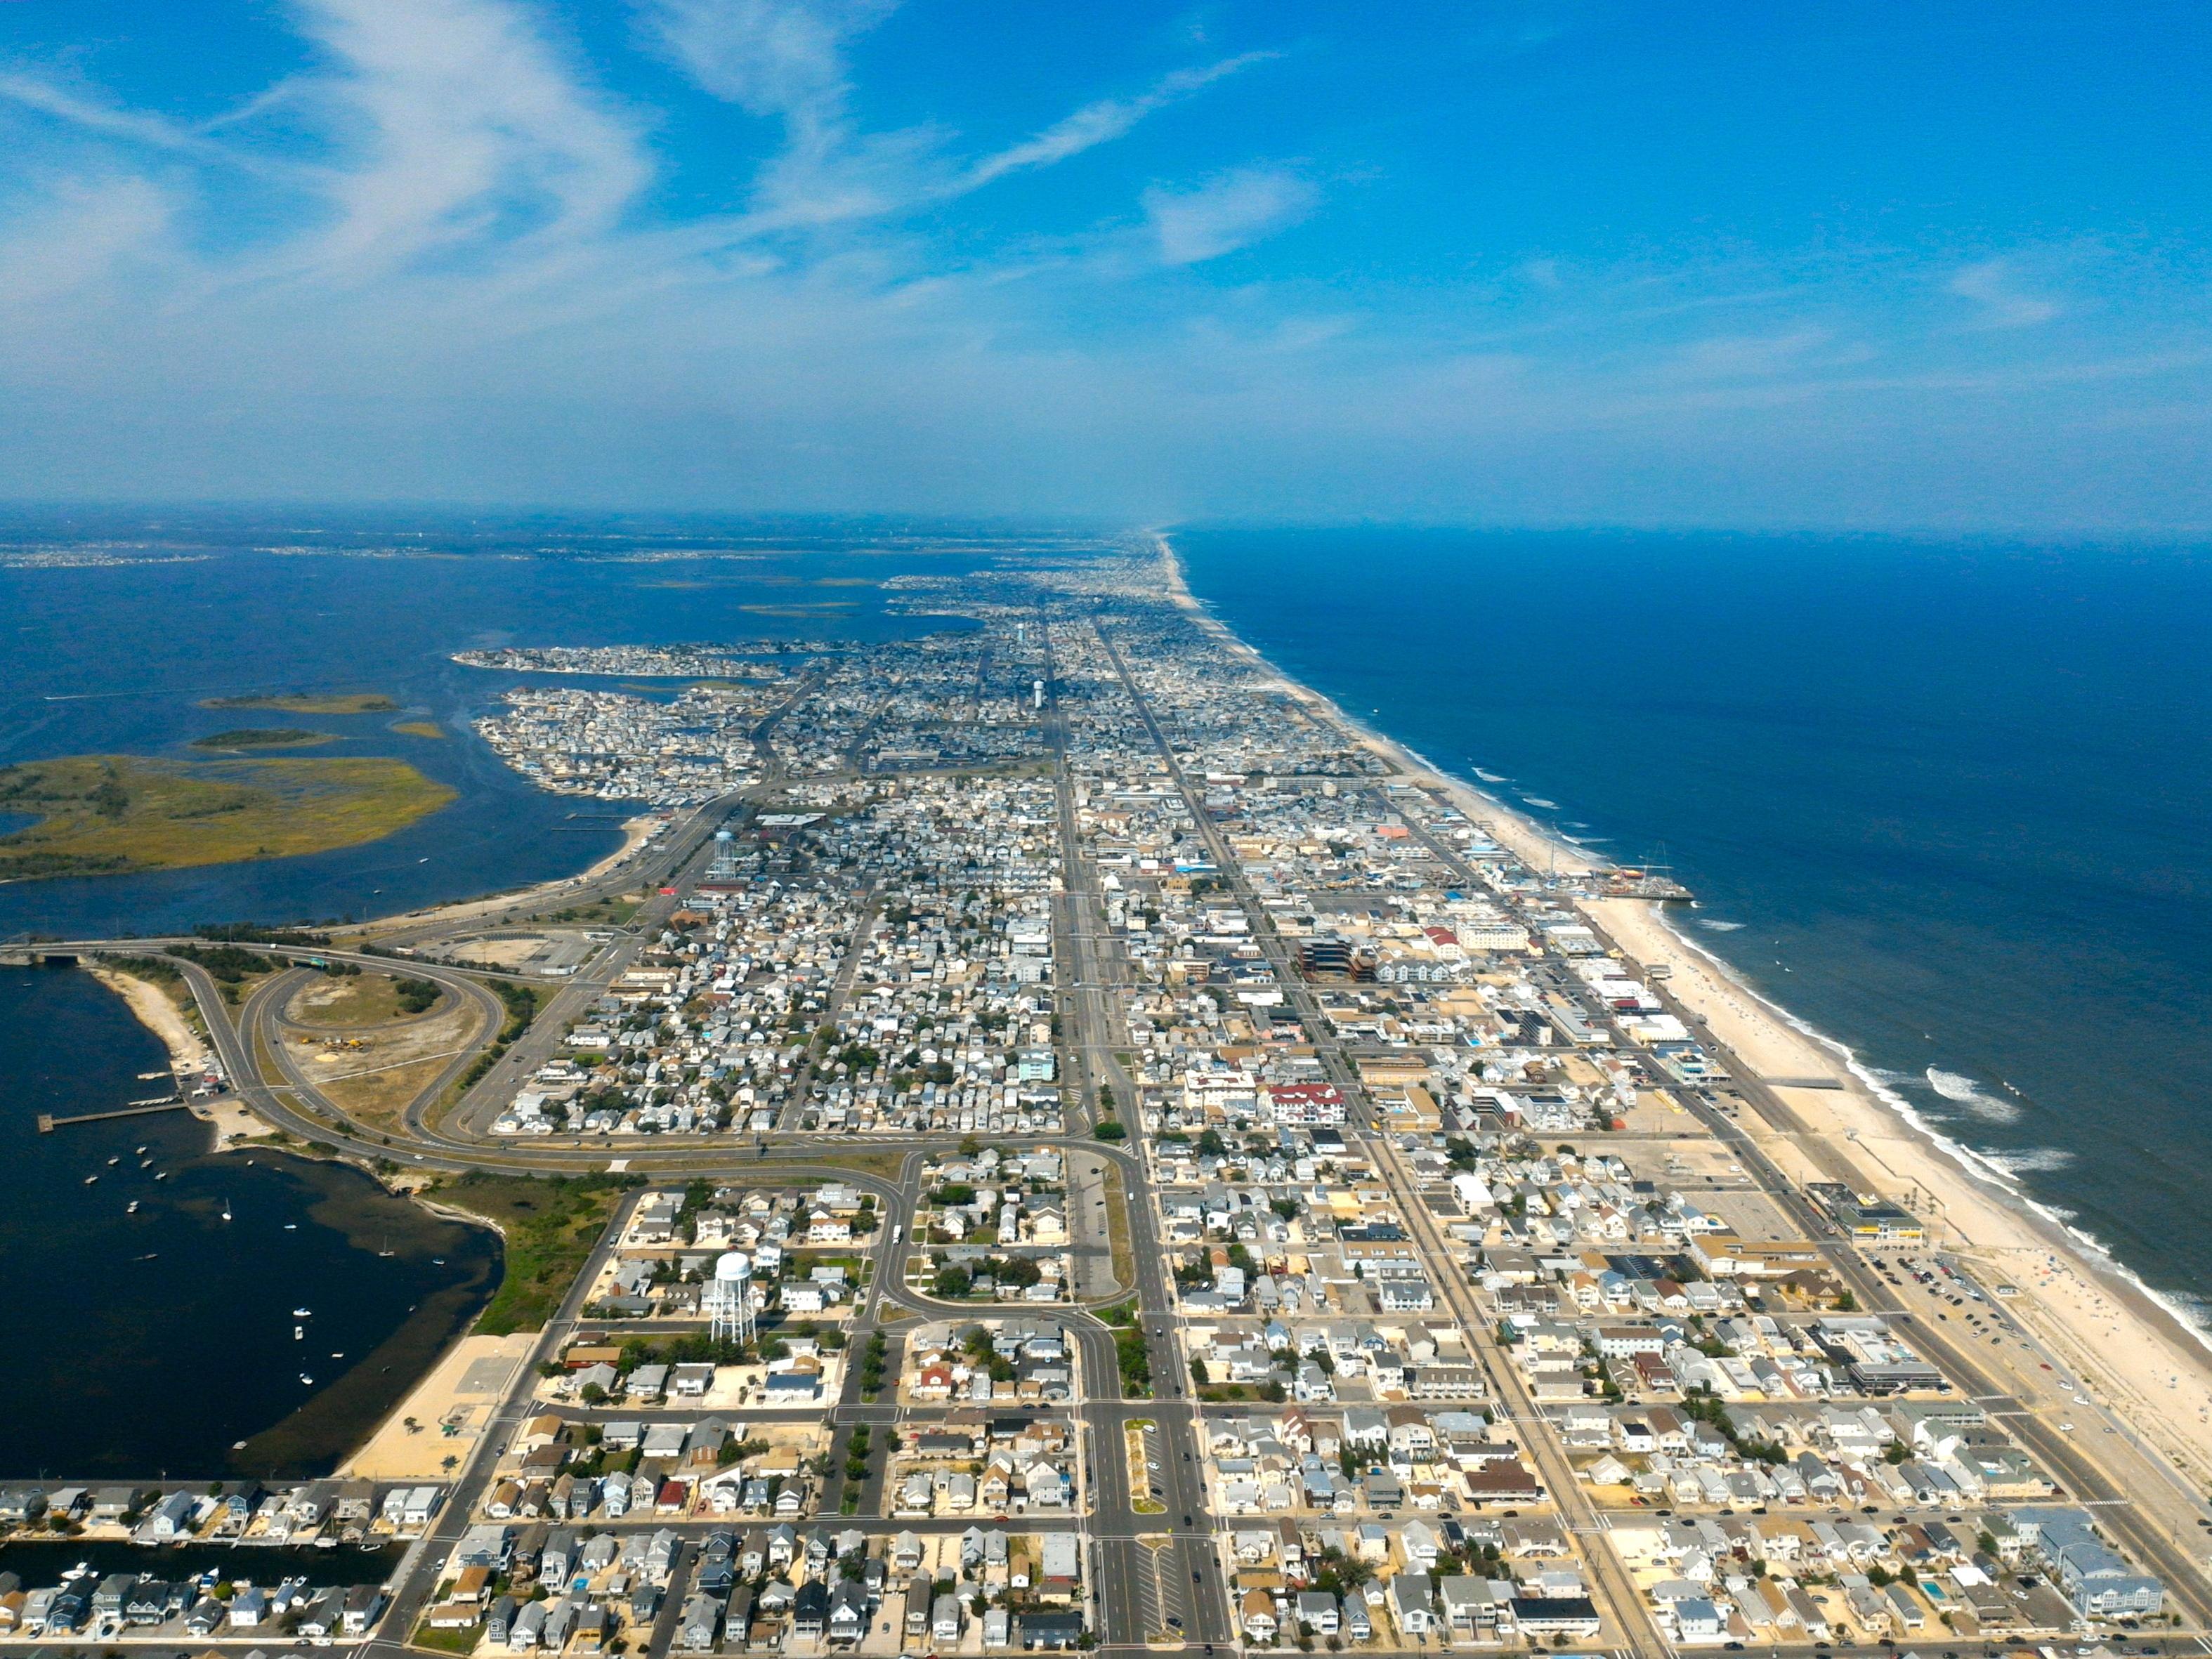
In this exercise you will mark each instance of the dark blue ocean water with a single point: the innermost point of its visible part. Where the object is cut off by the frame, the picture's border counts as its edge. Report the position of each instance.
(162, 1338)
(1962, 794)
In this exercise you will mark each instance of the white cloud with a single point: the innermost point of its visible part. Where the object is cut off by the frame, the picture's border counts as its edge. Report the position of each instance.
(1102, 122)
(1992, 287)
(1232, 210)
(778, 58)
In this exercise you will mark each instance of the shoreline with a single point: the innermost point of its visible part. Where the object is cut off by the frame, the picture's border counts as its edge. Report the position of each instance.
(2132, 1348)
(227, 1117)
(636, 832)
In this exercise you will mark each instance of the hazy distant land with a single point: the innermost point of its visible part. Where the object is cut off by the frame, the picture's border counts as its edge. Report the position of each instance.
(309, 703)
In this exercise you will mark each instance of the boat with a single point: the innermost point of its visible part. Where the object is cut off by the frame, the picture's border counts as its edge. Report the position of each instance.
(303, 1312)
(149, 1256)
(161, 1175)
(113, 1162)
(299, 1333)
(337, 1353)
(226, 1209)
(131, 1208)
(138, 1151)
(88, 1180)
(307, 1379)
(291, 1226)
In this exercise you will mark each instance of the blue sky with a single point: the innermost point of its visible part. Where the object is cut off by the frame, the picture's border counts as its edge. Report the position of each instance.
(1850, 265)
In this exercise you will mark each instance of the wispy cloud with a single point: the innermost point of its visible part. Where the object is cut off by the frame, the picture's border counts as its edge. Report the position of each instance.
(441, 252)
(1103, 121)
(1230, 211)
(1999, 300)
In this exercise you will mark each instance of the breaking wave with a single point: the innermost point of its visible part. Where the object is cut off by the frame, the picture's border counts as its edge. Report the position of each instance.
(1963, 1091)
(2028, 1160)
(1538, 800)
(1714, 925)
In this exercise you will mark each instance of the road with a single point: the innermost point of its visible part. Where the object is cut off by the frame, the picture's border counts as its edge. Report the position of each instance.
(1624, 1610)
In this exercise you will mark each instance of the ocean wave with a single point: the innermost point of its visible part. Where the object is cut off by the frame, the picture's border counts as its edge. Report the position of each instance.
(1714, 924)
(1962, 1091)
(2028, 1160)
(1538, 800)
(1490, 777)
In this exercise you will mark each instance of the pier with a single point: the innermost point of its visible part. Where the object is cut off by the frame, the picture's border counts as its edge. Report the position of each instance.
(48, 1123)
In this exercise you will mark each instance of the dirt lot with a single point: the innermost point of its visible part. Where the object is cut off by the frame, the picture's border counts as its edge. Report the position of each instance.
(357, 999)
(370, 1071)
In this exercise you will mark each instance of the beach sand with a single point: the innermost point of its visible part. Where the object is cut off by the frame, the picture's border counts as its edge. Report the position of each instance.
(463, 1390)
(151, 1006)
(636, 833)
(189, 1057)
(2132, 1353)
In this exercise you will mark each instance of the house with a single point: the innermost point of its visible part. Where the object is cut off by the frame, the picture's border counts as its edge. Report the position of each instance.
(944, 1619)
(1054, 1631)
(848, 1612)
(1256, 1615)
(1410, 1594)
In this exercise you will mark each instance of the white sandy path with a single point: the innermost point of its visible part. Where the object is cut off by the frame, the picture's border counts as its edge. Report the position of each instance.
(2133, 1352)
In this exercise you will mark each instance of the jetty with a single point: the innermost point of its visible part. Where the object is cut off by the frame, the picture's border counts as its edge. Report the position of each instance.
(48, 1122)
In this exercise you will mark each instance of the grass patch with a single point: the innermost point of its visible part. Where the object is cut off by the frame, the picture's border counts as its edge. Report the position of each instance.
(611, 912)
(357, 999)
(1123, 1256)
(888, 1165)
(463, 1640)
(1134, 1362)
(551, 1227)
(420, 728)
(108, 814)
(264, 737)
(310, 702)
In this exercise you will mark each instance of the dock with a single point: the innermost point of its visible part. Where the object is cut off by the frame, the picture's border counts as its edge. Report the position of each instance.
(48, 1123)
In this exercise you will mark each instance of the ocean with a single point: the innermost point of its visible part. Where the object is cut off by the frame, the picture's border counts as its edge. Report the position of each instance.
(1949, 803)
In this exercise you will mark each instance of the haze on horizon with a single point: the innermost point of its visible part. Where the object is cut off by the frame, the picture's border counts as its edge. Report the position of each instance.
(1895, 266)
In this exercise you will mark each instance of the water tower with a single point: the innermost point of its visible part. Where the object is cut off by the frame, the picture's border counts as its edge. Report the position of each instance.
(728, 1303)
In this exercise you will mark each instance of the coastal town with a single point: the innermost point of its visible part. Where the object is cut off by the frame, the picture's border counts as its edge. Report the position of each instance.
(1106, 1153)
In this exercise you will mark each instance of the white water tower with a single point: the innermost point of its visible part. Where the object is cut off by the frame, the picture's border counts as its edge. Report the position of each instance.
(728, 1303)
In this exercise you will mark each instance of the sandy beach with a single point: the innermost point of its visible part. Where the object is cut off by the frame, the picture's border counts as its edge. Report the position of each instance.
(150, 1004)
(450, 1408)
(2132, 1353)
(636, 833)
(189, 1056)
